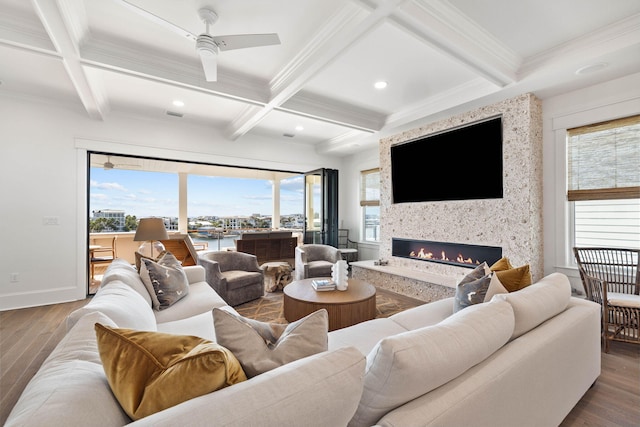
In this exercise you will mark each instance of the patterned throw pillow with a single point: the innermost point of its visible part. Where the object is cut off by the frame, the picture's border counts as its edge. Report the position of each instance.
(152, 371)
(261, 346)
(476, 287)
(165, 280)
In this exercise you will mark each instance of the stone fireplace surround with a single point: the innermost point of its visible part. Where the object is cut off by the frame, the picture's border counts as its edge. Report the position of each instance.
(513, 223)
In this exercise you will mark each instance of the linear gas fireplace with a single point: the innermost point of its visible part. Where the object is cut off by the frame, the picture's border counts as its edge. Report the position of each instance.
(459, 254)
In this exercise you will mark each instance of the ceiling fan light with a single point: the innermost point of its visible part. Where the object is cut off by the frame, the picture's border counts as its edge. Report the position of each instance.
(206, 46)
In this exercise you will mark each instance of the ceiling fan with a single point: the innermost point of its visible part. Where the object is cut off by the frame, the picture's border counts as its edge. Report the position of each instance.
(207, 45)
(108, 165)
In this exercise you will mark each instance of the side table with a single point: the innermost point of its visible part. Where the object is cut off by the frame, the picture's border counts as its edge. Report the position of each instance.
(277, 275)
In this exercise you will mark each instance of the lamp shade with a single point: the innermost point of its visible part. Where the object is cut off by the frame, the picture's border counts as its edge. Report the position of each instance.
(151, 229)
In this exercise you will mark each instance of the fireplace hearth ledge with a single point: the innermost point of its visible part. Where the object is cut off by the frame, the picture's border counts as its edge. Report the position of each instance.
(417, 284)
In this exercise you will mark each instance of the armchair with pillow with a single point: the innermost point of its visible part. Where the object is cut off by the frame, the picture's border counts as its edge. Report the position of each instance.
(235, 276)
(313, 260)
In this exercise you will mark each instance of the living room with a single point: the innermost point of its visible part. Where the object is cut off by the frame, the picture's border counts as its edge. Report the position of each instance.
(48, 131)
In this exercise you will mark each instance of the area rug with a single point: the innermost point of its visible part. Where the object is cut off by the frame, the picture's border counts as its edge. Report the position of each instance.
(269, 307)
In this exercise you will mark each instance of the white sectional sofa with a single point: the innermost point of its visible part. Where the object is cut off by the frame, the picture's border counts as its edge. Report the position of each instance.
(524, 358)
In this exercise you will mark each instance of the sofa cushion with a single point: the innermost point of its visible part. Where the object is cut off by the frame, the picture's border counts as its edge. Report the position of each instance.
(70, 388)
(165, 280)
(201, 298)
(152, 371)
(402, 367)
(121, 270)
(538, 302)
(425, 314)
(317, 391)
(364, 336)
(261, 346)
(122, 304)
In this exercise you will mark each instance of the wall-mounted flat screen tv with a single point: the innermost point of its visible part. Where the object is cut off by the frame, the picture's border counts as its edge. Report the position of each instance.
(463, 163)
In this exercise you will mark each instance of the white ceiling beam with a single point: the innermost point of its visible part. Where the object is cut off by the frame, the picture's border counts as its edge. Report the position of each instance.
(55, 19)
(442, 26)
(346, 27)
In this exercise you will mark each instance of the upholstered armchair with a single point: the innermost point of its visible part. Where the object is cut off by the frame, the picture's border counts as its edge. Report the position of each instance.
(235, 276)
(313, 260)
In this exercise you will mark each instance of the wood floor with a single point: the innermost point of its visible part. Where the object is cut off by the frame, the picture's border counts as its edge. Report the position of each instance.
(28, 335)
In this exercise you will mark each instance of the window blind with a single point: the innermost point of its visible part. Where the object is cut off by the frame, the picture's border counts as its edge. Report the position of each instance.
(370, 187)
(604, 160)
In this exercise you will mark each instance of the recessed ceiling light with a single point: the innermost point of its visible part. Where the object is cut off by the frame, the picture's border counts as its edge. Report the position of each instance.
(380, 85)
(299, 127)
(178, 103)
(592, 68)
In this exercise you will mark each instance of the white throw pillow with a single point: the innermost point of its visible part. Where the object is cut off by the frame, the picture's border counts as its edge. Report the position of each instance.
(260, 346)
(405, 366)
(538, 302)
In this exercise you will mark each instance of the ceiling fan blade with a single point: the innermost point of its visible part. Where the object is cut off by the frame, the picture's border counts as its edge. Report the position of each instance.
(209, 65)
(241, 41)
(158, 20)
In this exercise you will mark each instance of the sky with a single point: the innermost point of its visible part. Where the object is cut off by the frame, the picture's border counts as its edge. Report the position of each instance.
(144, 194)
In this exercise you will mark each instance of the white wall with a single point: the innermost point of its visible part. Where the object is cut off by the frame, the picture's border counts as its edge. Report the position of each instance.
(614, 99)
(350, 199)
(43, 174)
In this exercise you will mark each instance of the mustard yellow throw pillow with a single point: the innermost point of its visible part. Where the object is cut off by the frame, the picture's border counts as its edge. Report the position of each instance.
(152, 371)
(502, 264)
(516, 278)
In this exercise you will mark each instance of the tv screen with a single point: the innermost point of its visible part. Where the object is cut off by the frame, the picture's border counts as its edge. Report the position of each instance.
(463, 163)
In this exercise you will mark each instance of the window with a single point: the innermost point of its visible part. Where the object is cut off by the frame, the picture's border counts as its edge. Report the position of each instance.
(370, 203)
(604, 183)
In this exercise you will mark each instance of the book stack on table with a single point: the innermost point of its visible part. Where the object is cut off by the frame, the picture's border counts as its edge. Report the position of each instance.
(323, 285)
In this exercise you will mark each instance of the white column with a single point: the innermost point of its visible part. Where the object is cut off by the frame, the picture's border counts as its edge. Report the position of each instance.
(183, 220)
(275, 219)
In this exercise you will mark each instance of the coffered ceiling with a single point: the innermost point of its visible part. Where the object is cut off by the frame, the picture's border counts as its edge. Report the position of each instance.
(437, 57)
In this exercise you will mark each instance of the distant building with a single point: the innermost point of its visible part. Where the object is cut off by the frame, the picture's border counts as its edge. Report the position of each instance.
(117, 215)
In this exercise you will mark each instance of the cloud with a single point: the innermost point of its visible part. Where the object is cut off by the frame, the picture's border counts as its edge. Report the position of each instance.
(107, 185)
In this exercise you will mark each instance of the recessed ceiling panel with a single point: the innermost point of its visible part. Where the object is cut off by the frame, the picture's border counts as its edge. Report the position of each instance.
(148, 97)
(39, 75)
(529, 27)
(300, 129)
(294, 22)
(413, 70)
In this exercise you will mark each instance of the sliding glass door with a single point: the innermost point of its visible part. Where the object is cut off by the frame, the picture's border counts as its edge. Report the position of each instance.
(321, 207)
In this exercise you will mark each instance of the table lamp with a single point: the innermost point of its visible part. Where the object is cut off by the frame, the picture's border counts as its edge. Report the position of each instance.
(150, 231)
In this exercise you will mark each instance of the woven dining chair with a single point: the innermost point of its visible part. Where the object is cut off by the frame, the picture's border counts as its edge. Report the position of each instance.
(611, 277)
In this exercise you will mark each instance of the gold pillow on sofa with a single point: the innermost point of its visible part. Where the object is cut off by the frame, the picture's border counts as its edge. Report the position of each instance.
(152, 371)
(513, 279)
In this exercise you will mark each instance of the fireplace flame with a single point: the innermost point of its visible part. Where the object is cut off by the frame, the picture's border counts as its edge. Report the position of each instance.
(422, 253)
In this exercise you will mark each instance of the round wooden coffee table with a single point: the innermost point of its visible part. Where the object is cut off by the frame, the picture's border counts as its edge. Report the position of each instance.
(345, 308)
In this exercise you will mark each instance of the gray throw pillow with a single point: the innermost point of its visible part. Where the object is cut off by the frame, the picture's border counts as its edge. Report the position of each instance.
(260, 346)
(165, 280)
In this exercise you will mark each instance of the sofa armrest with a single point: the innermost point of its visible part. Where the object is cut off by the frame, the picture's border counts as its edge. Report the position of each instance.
(195, 273)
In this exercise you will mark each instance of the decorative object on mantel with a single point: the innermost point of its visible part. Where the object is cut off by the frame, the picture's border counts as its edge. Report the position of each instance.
(381, 262)
(339, 275)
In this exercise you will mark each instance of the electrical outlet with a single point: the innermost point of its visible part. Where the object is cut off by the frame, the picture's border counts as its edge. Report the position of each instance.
(50, 220)
(14, 277)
